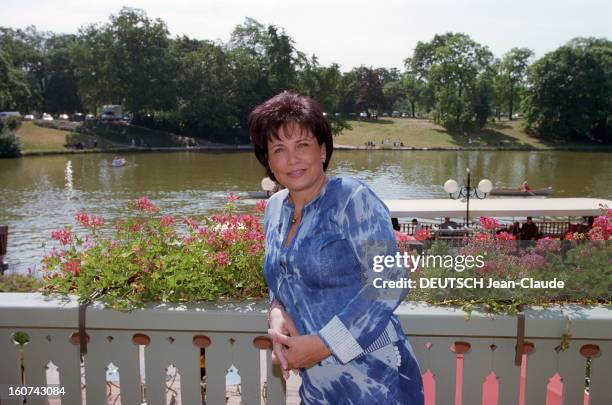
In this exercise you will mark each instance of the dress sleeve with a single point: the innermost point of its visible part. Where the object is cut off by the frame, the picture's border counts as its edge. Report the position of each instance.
(366, 224)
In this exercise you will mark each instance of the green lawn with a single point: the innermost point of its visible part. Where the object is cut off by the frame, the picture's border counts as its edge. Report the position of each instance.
(422, 133)
(35, 138)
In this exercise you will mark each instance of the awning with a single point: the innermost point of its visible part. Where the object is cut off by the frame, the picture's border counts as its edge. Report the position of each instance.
(498, 207)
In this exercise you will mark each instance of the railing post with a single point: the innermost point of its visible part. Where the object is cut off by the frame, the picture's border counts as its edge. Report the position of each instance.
(3, 246)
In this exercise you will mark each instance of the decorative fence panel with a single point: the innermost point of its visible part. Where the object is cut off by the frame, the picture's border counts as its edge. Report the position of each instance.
(155, 354)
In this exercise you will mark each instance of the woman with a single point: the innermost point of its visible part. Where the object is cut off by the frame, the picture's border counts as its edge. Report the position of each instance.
(326, 319)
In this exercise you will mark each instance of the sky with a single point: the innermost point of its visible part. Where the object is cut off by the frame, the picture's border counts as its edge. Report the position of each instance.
(379, 33)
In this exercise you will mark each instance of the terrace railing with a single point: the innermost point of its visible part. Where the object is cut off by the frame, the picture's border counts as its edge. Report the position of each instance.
(463, 360)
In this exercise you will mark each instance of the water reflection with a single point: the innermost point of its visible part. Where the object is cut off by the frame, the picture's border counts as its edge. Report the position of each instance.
(39, 194)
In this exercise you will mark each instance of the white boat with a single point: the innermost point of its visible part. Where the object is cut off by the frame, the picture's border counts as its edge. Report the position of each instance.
(118, 162)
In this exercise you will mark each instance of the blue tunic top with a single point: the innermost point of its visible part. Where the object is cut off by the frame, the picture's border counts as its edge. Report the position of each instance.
(324, 280)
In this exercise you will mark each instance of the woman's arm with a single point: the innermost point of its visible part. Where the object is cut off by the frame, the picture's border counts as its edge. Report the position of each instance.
(365, 222)
(280, 323)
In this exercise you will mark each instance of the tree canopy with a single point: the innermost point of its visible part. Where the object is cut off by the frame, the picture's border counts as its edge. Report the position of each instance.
(207, 88)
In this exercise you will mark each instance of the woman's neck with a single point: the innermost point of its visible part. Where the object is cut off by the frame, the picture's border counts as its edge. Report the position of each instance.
(303, 197)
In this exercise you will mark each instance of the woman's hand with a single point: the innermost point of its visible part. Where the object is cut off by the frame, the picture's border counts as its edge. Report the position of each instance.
(280, 322)
(300, 351)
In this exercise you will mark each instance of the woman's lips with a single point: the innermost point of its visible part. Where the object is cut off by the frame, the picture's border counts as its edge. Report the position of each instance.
(296, 173)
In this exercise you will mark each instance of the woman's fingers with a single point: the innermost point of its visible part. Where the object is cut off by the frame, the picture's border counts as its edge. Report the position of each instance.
(278, 357)
(279, 338)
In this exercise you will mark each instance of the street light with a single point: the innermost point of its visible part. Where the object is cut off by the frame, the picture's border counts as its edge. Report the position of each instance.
(467, 191)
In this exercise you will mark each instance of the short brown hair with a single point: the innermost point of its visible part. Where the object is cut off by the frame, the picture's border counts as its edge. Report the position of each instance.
(284, 108)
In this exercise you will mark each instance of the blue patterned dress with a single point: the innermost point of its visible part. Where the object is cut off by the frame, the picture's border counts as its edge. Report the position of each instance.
(323, 279)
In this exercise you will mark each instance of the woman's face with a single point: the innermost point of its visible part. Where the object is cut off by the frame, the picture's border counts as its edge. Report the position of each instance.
(296, 158)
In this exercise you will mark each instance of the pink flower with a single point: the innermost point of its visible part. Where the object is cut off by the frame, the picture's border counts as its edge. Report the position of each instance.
(260, 206)
(505, 236)
(232, 197)
(489, 223)
(144, 204)
(64, 236)
(548, 244)
(221, 259)
(191, 222)
(482, 237)
(532, 261)
(167, 220)
(400, 236)
(255, 249)
(228, 235)
(96, 222)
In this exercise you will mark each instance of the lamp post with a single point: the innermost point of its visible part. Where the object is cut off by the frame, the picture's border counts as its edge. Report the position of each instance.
(455, 192)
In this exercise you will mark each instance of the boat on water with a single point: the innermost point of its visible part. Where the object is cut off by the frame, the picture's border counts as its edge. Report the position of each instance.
(546, 191)
(118, 162)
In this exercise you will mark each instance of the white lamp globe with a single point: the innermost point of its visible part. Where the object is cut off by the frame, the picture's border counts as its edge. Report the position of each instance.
(485, 186)
(267, 184)
(451, 186)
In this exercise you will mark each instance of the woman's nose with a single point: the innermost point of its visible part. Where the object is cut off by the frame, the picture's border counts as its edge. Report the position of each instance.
(292, 155)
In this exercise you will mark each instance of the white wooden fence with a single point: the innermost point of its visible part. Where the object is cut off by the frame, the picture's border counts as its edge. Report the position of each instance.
(456, 355)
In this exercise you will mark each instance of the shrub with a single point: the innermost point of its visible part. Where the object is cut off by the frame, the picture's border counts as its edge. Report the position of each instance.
(152, 258)
(10, 144)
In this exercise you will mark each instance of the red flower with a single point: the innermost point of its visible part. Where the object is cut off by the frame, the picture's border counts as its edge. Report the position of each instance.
(167, 220)
(480, 237)
(400, 236)
(422, 234)
(144, 204)
(82, 218)
(260, 206)
(64, 236)
(505, 236)
(73, 266)
(191, 222)
(96, 222)
(489, 223)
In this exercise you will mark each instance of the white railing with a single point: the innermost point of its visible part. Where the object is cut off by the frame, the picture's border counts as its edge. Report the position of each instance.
(456, 355)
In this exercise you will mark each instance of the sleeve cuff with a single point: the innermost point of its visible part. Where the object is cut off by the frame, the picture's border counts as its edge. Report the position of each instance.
(340, 341)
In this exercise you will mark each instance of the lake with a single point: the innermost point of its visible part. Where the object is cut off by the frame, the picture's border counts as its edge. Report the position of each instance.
(40, 194)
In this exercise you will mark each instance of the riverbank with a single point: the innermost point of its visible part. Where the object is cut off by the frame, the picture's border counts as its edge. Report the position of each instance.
(413, 134)
(423, 134)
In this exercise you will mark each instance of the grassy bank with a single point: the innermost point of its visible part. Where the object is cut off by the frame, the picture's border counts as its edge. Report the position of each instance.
(421, 133)
(414, 133)
(39, 139)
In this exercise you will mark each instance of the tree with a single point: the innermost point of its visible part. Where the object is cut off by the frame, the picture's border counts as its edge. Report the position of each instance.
(205, 107)
(13, 84)
(60, 93)
(24, 49)
(569, 92)
(126, 61)
(512, 72)
(450, 65)
(369, 89)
